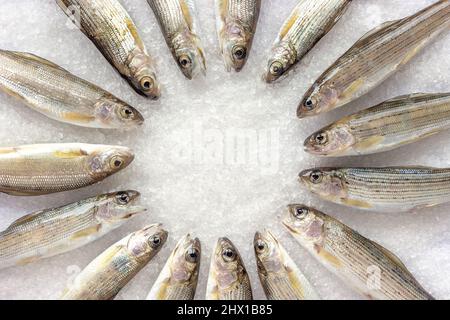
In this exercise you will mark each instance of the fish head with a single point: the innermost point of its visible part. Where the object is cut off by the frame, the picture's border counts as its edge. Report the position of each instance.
(189, 55)
(147, 242)
(320, 98)
(282, 59)
(267, 253)
(333, 140)
(118, 207)
(142, 75)
(186, 260)
(114, 113)
(227, 264)
(235, 42)
(109, 160)
(327, 183)
(305, 224)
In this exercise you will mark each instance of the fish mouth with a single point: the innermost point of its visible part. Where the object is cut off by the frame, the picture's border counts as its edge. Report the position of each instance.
(133, 211)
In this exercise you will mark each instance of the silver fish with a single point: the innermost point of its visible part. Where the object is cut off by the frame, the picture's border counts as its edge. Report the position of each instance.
(363, 264)
(280, 277)
(109, 26)
(179, 277)
(387, 126)
(228, 279)
(375, 57)
(178, 22)
(53, 91)
(391, 189)
(107, 274)
(309, 22)
(236, 26)
(51, 232)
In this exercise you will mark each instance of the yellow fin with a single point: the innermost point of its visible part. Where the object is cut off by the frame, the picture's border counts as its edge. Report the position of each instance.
(357, 203)
(134, 32)
(223, 8)
(288, 24)
(328, 256)
(294, 281)
(78, 117)
(368, 143)
(352, 88)
(86, 232)
(70, 154)
(186, 13)
(28, 260)
(7, 150)
(109, 254)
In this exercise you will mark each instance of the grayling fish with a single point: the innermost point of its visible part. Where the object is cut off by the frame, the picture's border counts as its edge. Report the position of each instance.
(309, 22)
(236, 26)
(228, 279)
(107, 274)
(361, 263)
(62, 96)
(387, 126)
(179, 277)
(178, 22)
(280, 277)
(51, 232)
(109, 26)
(375, 57)
(391, 189)
(48, 168)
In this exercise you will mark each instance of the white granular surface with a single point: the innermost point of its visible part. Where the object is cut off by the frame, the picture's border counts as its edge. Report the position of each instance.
(192, 176)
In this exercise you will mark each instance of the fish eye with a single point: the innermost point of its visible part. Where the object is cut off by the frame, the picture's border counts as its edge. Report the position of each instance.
(309, 104)
(126, 112)
(192, 255)
(301, 212)
(321, 138)
(116, 162)
(155, 241)
(316, 177)
(240, 53)
(185, 61)
(146, 83)
(123, 197)
(229, 254)
(276, 68)
(260, 246)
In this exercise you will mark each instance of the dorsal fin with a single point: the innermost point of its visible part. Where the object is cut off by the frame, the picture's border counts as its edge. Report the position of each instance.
(36, 58)
(382, 26)
(25, 219)
(392, 257)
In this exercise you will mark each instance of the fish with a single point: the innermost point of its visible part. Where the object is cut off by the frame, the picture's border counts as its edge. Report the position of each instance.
(387, 189)
(58, 94)
(50, 232)
(364, 265)
(106, 275)
(179, 277)
(40, 169)
(387, 126)
(109, 26)
(374, 58)
(228, 279)
(178, 22)
(236, 25)
(280, 277)
(308, 23)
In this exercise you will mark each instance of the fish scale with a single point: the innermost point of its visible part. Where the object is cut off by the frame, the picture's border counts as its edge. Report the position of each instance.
(376, 56)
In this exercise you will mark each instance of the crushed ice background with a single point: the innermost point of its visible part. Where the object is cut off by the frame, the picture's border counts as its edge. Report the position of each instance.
(184, 167)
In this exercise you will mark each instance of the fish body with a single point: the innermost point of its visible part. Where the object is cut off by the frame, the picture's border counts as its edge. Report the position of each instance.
(56, 93)
(109, 26)
(389, 189)
(389, 125)
(309, 22)
(179, 277)
(48, 168)
(178, 22)
(280, 277)
(228, 279)
(374, 58)
(54, 231)
(107, 274)
(236, 26)
(361, 263)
